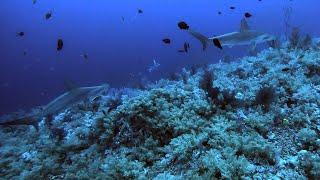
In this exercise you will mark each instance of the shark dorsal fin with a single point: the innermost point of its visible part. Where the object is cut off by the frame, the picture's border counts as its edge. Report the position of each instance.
(244, 25)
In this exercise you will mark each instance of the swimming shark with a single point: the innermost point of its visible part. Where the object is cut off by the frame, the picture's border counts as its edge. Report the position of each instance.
(67, 99)
(245, 36)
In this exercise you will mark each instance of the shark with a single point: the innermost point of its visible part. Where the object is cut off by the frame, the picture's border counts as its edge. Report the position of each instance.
(245, 36)
(70, 98)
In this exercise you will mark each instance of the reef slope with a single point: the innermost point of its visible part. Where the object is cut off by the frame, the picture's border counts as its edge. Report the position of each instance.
(257, 117)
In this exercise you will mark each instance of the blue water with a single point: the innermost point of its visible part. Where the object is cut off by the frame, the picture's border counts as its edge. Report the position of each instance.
(119, 51)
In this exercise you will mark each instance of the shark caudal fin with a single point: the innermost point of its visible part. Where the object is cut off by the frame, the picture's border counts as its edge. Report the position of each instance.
(203, 39)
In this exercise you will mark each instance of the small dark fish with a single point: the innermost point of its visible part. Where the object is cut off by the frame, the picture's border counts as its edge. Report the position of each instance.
(217, 43)
(183, 25)
(219, 12)
(232, 7)
(247, 15)
(166, 41)
(59, 44)
(122, 18)
(85, 56)
(186, 47)
(34, 1)
(24, 52)
(48, 15)
(20, 33)
(140, 11)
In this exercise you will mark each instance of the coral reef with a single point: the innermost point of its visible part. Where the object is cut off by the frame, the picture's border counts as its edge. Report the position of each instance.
(256, 118)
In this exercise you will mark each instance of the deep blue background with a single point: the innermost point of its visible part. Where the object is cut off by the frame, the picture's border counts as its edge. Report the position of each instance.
(117, 49)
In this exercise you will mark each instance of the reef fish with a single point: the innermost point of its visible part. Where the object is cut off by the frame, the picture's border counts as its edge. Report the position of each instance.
(21, 33)
(48, 15)
(183, 25)
(59, 44)
(166, 41)
(185, 49)
(247, 15)
(85, 56)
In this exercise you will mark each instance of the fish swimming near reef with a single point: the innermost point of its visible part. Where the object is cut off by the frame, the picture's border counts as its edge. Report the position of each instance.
(245, 36)
(68, 99)
(85, 56)
(48, 15)
(186, 47)
(59, 44)
(21, 33)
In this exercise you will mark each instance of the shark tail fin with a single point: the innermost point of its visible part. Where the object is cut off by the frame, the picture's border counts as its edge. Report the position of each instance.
(203, 39)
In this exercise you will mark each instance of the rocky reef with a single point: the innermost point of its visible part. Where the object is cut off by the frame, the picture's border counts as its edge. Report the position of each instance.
(257, 117)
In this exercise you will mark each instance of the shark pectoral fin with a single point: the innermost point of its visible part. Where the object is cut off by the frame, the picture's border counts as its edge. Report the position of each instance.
(203, 39)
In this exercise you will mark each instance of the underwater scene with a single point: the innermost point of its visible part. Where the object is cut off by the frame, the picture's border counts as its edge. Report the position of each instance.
(160, 89)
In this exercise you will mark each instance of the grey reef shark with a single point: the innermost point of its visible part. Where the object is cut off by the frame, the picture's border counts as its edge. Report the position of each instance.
(245, 36)
(68, 99)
